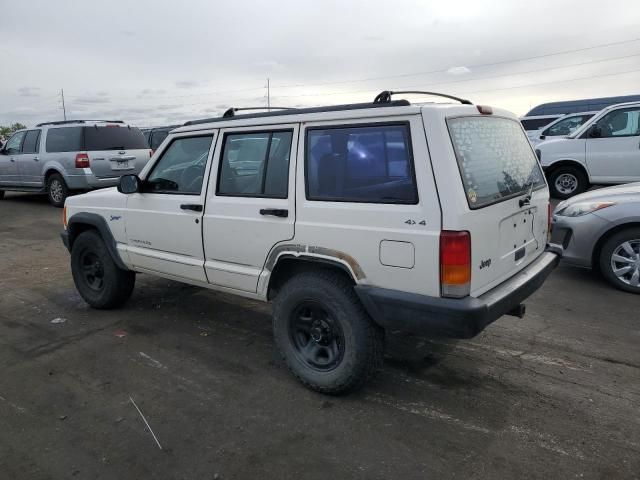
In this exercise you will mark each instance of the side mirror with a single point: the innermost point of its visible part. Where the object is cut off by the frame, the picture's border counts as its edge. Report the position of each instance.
(595, 132)
(129, 184)
(542, 137)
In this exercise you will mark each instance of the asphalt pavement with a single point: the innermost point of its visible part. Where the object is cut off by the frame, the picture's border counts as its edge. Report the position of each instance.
(554, 395)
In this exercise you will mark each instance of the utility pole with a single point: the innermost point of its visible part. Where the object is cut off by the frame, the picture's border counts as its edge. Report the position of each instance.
(64, 110)
(268, 96)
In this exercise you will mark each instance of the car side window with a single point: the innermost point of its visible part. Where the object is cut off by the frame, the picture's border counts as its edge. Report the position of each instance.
(181, 168)
(370, 164)
(255, 164)
(31, 142)
(624, 122)
(157, 138)
(13, 144)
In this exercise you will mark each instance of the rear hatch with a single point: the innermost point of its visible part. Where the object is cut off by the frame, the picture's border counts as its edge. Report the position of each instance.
(115, 150)
(506, 196)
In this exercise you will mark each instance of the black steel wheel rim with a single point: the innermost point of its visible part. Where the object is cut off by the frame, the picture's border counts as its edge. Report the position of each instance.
(316, 337)
(92, 271)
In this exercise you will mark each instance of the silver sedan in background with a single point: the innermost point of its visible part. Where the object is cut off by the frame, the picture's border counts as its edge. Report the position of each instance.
(600, 229)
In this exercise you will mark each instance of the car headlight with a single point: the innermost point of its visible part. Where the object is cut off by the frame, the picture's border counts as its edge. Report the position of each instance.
(582, 208)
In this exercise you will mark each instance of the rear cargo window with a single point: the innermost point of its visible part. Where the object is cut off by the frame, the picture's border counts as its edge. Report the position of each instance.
(113, 138)
(495, 159)
(68, 139)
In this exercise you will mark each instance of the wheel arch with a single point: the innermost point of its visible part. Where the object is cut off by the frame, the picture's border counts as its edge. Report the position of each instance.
(83, 221)
(597, 248)
(567, 162)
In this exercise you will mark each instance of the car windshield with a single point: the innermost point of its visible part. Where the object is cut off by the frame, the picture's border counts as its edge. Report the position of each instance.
(495, 159)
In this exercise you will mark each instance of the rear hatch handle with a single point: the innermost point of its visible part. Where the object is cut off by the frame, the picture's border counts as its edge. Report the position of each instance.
(526, 200)
(122, 159)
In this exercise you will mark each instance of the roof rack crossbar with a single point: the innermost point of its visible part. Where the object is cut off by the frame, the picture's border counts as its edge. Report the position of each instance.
(385, 96)
(300, 111)
(64, 122)
(231, 112)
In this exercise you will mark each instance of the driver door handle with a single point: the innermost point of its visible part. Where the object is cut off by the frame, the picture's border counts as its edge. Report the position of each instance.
(191, 206)
(276, 212)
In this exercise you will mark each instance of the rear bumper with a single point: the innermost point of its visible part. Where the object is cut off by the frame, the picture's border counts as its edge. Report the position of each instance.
(89, 181)
(457, 318)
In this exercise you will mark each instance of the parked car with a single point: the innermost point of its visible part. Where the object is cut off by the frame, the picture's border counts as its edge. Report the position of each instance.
(342, 216)
(58, 158)
(605, 150)
(534, 123)
(600, 229)
(565, 107)
(561, 127)
(156, 135)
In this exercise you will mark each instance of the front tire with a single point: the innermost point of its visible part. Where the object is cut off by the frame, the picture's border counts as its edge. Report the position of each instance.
(620, 260)
(57, 190)
(98, 279)
(567, 181)
(323, 333)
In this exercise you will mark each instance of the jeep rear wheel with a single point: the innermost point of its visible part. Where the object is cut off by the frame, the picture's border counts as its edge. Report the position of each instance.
(1, 194)
(323, 333)
(98, 279)
(57, 191)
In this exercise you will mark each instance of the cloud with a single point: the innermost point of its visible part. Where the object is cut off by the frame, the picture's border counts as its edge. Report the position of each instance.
(87, 99)
(102, 93)
(29, 91)
(268, 65)
(458, 71)
(186, 83)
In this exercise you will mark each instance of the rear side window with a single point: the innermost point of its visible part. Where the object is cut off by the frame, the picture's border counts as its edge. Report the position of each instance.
(255, 164)
(67, 139)
(31, 141)
(113, 138)
(495, 159)
(536, 123)
(368, 164)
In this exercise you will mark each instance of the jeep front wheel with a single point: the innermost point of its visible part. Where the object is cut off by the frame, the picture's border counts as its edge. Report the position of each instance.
(324, 335)
(98, 279)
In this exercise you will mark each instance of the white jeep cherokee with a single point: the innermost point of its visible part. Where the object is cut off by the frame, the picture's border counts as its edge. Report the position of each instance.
(351, 219)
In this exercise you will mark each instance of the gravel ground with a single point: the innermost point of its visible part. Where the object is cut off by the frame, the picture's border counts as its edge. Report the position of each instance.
(555, 395)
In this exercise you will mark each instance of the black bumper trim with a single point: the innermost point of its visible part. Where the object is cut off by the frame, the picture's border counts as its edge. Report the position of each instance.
(456, 318)
(65, 239)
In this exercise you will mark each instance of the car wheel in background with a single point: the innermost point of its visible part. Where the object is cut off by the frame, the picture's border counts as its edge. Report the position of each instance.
(57, 190)
(620, 260)
(323, 333)
(98, 279)
(565, 182)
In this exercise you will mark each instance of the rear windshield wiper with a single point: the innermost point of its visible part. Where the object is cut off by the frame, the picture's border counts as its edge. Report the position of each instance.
(526, 200)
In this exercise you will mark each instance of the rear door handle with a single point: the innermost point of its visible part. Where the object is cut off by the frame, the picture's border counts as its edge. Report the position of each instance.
(191, 206)
(276, 212)
(12, 159)
(36, 159)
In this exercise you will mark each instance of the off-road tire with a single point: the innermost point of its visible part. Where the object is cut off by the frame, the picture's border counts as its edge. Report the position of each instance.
(57, 190)
(363, 341)
(1, 194)
(582, 182)
(117, 284)
(608, 249)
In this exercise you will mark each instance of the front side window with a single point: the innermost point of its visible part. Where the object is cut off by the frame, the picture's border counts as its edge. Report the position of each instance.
(67, 139)
(495, 159)
(181, 168)
(31, 142)
(13, 144)
(369, 164)
(255, 164)
(620, 123)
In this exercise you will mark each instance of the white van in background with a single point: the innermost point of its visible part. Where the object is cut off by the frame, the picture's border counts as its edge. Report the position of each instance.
(561, 127)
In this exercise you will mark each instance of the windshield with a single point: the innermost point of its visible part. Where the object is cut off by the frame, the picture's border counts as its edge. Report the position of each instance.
(113, 138)
(495, 159)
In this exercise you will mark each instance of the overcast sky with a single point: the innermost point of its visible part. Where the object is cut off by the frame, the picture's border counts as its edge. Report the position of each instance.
(155, 62)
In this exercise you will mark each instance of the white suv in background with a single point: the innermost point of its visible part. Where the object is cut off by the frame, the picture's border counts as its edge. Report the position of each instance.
(58, 158)
(352, 219)
(605, 150)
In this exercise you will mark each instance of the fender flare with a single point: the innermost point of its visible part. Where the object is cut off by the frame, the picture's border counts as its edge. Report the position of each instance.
(74, 228)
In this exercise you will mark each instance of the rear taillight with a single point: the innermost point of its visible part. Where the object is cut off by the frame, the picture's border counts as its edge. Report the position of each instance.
(455, 263)
(82, 160)
(549, 223)
(64, 217)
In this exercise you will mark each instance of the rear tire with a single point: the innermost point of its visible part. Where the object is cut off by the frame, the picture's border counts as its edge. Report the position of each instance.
(323, 333)
(98, 279)
(619, 260)
(57, 190)
(567, 181)
(1, 194)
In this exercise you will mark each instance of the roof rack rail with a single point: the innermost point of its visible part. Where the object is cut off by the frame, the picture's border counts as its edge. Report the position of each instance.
(385, 96)
(64, 122)
(231, 112)
(300, 111)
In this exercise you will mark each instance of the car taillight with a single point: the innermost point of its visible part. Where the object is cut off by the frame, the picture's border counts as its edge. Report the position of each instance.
(64, 217)
(549, 223)
(82, 160)
(455, 263)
